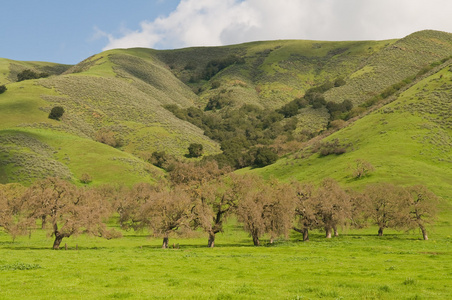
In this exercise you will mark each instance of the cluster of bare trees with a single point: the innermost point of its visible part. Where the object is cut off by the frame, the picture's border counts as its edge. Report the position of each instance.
(203, 197)
(61, 208)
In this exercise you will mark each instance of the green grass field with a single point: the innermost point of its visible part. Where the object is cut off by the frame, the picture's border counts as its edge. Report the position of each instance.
(355, 265)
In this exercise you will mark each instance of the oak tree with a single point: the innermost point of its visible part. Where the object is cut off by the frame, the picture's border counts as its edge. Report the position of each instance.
(263, 208)
(12, 220)
(214, 202)
(66, 210)
(421, 208)
(211, 194)
(384, 205)
(305, 210)
(158, 208)
(333, 206)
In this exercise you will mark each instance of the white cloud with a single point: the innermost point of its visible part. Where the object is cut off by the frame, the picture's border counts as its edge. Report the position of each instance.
(220, 22)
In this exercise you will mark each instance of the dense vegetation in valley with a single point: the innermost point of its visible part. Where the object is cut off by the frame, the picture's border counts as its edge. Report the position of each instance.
(266, 143)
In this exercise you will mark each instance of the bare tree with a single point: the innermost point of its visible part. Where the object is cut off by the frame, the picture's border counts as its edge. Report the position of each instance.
(264, 209)
(214, 202)
(333, 206)
(195, 173)
(12, 219)
(159, 208)
(68, 210)
(279, 213)
(251, 210)
(305, 212)
(422, 208)
(358, 202)
(212, 194)
(362, 168)
(384, 205)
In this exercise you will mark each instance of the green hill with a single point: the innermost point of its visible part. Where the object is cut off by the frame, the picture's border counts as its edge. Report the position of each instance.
(408, 141)
(10, 68)
(121, 95)
(103, 94)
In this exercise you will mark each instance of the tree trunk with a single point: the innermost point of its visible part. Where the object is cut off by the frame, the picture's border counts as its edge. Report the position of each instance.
(328, 232)
(43, 222)
(165, 242)
(336, 233)
(305, 235)
(256, 240)
(380, 231)
(424, 232)
(211, 242)
(57, 242)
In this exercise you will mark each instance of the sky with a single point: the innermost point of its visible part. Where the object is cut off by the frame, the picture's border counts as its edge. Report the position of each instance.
(70, 31)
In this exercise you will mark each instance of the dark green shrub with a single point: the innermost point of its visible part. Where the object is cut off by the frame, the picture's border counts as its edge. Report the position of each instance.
(264, 157)
(2, 89)
(289, 110)
(195, 150)
(216, 65)
(30, 74)
(56, 113)
(159, 159)
(339, 82)
(215, 84)
(190, 66)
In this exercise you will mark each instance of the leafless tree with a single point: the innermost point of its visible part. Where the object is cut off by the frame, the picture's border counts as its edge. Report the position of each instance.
(279, 213)
(214, 202)
(66, 209)
(210, 191)
(263, 209)
(158, 208)
(332, 205)
(305, 212)
(12, 219)
(362, 168)
(384, 205)
(421, 208)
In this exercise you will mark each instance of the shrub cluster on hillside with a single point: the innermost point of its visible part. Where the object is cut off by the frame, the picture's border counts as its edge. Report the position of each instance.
(30, 74)
(248, 134)
(2, 89)
(213, 67)
(202, 196)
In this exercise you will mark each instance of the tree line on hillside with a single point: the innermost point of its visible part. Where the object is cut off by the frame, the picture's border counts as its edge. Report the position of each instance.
(213, 67)
(202, 197)
(249, 131)
(248, 135)
(28, 74)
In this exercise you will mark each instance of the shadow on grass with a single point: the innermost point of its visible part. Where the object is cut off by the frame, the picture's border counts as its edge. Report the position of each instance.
(13, 246)
(183, 246)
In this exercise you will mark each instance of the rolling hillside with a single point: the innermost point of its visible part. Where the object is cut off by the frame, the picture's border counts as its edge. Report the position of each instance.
(122, 94)
(408, 141)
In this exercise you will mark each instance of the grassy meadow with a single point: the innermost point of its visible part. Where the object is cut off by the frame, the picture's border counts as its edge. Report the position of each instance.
(355, 265)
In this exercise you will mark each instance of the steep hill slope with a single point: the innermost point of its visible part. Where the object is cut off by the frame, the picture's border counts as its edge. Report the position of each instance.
(111, 95)
(33, 146)
(275, 72)
(408, 141)
(125, 94)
